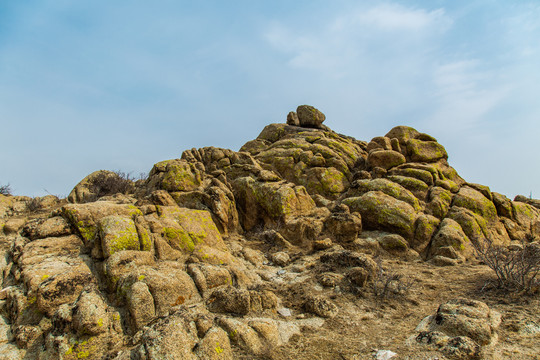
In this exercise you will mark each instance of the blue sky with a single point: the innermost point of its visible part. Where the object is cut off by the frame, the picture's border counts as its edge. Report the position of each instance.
(124, 84)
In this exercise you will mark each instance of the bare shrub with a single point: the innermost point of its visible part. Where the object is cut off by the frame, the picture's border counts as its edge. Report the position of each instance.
(5, 189)
(388, 284)
(34, 204)
(106, 184)
(516, 268)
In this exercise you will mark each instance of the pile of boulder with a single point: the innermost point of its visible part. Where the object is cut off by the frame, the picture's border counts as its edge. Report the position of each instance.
(166, 271)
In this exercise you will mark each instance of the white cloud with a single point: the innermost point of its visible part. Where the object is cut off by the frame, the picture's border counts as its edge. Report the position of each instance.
(395, 17)
(349, 41)
(464, 95)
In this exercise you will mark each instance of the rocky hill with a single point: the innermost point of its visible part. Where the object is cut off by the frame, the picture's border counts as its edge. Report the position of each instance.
(305, 244)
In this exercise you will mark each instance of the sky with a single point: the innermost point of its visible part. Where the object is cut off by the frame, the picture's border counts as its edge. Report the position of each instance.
(121, 85)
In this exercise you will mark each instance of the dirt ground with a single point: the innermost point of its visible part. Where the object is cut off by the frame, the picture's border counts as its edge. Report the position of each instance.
(366, 323)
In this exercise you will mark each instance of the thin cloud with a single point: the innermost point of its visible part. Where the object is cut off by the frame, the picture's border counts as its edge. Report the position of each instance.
(394, 17)
(349, 40)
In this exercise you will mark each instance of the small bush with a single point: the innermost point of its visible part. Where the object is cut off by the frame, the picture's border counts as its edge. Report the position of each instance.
(106, 184)
(387, 284)
(5, 189)
(34, 204)
(517, 268)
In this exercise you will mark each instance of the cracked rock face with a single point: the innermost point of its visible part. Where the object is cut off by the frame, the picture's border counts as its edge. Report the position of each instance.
(221, 253)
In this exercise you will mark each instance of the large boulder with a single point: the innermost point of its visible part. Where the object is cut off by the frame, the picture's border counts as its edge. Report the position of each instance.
(425, 151)
(342, 225)
(425, 227)
(385, 159)
(85, 217)
(175, 175)
(118, 233)
(269, 202)
(450, 234)
(184, 229)
(55, 271)
(439, 202)
(360, 187)
(171, 338)
(309, 117)
(459, 329)
(380, 211)
(475, 201)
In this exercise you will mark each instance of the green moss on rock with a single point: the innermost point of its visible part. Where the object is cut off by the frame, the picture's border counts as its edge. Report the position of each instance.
(386, 186)
(425, 151)
(117, 234)
(380, 211)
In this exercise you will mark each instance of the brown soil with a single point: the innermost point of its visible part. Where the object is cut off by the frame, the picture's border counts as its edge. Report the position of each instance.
(367, 323)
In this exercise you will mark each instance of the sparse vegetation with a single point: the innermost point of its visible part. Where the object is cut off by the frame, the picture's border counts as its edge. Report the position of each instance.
(517, 268)
(34, 204)
(106, 184)
(5, 189)
(388, 284)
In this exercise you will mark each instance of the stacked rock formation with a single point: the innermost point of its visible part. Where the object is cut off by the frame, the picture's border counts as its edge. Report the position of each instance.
(144, 274)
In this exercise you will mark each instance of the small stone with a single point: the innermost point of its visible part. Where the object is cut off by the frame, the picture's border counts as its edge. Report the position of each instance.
(281, 258)
(323, 244)
(320, 306)
(285, 312)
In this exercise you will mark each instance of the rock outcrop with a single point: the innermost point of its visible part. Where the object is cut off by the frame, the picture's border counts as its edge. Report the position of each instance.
(191, 263)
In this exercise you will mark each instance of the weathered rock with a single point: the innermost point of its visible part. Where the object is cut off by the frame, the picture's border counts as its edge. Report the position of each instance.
(533, 202)
(379, 142)
(302, 230)
(281, 258)
(174, 175)
(207, 277)
(169, 285)
(121, 264)
(393, 243)
(43, 228)
(419, 174)
(292, 119)
(343, 225)
(380, 211)
(230, 300)
(439, 202)
(403, 134)
(475, 201)
(503, 205)
(140, 304)
(425, 228)
(242, 335)
(451, 234)
(321, 306)
(385, 159)
(171, 339)
(184, 229)
(118, 233)
(464, 317)
(55, 271)
(269, 202)
(85, 217)
(309, 117)
(90, 315)
(417, 187)
(361, 187)
(425, 151)
(215, 346)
